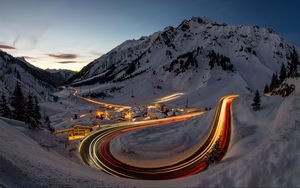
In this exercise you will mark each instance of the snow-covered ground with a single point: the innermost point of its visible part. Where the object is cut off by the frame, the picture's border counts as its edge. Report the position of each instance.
(61, 113)
(26, 162)
(161, 145)
(153, 144)
(263, 151)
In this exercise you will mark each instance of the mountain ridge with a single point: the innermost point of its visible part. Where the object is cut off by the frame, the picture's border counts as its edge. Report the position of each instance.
(191, 57)
(32, 79)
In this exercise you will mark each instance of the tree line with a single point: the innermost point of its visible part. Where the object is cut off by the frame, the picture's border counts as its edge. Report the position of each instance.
(291, 71)
(21, 108)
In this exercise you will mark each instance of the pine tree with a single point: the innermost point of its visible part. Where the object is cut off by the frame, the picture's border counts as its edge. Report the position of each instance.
(256, 101)
(187, 103)
(36, 111)
(213, 155)
(282, 75)
(47, 119)
(48, 123)
(267, 89)
(274, 82)
(293, 64)
(4, 109)
(17, 102)
(29, 113)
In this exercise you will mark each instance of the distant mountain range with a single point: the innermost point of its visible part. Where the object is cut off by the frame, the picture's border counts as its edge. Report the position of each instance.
(199, 57)
(61, 74)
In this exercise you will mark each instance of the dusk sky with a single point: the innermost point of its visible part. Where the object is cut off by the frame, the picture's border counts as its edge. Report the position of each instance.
(69, 34)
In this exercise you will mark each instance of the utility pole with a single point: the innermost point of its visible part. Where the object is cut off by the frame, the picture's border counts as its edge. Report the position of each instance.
(187, 102)
(132, 94)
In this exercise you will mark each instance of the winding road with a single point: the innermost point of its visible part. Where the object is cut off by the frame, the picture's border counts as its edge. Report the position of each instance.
(95, 148)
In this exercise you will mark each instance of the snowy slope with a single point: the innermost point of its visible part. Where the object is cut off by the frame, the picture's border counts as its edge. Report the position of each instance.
(263, 151)
(25, 163)
(31, 79)
(179, 60)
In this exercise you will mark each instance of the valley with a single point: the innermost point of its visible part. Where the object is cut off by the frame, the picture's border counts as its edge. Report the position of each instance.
(200, 104)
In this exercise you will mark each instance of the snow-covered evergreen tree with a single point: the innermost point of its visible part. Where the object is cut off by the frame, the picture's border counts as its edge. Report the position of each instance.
(18, 102)
(282, 74)
(29, 116)
(256, 101)
(212, 156)
(274, 82)
(267, 89)
(4, 109)
(293, 64)
(36, 110)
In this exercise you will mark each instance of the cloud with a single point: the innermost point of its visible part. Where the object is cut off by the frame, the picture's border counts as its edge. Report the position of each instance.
(66, 62)
(28, 39)
(3, 46)
(63, 56)
(27, 42)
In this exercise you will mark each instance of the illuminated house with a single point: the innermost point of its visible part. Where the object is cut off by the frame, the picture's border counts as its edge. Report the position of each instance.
(74, 133)
(128, 115)
(103, 115)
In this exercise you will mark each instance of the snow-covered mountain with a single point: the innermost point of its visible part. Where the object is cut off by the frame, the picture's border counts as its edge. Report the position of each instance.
(61, 74)
(31, 79)
(200, 57)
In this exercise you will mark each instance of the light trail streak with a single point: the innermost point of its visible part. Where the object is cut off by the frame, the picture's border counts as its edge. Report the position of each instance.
(94, 149)
(169, 98)
(108, 105)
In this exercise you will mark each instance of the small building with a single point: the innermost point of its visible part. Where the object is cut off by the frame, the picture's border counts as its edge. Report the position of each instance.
(74, 133)
(154, 113)
(103, 115)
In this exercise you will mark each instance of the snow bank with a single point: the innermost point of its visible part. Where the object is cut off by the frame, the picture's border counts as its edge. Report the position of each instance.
(24, 163)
